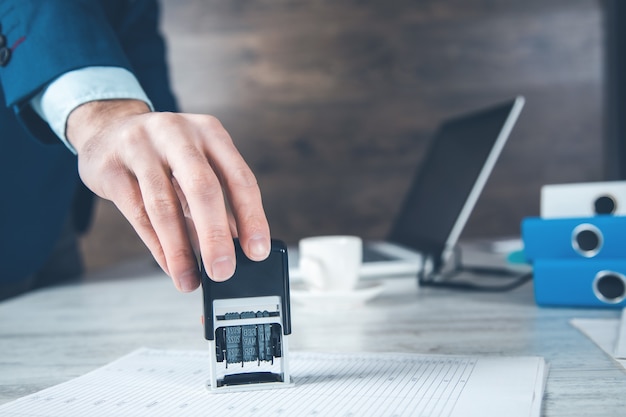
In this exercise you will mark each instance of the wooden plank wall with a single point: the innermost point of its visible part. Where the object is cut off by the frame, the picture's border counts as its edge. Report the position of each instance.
(332, 102)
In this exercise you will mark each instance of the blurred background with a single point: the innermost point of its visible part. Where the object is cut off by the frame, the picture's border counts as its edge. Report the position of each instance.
(333, 102)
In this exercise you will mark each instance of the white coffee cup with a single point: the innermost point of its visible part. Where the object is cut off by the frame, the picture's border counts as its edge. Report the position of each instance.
(330, 263)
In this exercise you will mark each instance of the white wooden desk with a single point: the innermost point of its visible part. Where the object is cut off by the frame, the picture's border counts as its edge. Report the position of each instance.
(53, 335)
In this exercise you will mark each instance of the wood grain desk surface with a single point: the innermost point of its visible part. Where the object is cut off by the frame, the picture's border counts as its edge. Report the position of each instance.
(53, 335)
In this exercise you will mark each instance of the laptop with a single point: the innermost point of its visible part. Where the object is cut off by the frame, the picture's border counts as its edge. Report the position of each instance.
(441, 197)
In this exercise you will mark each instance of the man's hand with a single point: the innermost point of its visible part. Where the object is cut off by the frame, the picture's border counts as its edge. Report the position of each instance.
(170, 175)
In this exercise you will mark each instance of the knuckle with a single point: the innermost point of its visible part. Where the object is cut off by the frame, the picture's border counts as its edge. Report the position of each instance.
(133, 141)
(111, 171)
(211, 122)
(163, 120)
(211, 125)
(217, 234)
(203, 186)
(153, 180)
(191, 154)
(139, 217)
(254, 223)
(100, 170)
(163, 207)
(243, 177)
(158, 197)
(132, 136)
(179, 257)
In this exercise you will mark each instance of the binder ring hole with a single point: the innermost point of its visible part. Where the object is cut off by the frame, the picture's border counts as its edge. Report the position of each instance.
(605, 204)
(610, 287)
(587, 240)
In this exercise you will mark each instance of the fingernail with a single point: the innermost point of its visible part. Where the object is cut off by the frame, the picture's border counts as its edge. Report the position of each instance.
(188, 281)
(258, 247)
(222, 268)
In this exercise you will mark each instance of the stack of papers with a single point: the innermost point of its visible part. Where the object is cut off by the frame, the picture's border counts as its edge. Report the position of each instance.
(608, 334)
(151, 382)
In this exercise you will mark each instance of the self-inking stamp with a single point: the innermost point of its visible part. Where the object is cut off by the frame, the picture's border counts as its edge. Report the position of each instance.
(246, 321)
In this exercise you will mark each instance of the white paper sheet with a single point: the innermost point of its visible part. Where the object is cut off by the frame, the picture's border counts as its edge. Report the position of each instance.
(603, 332)
(155, 383)
(620, 348)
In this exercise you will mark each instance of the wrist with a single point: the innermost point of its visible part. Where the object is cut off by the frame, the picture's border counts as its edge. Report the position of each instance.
(89, 119)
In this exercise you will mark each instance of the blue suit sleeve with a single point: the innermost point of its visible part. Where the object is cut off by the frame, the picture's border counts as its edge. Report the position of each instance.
(47, 39)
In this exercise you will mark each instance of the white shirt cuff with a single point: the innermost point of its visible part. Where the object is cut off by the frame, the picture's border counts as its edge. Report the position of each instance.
(56, 101)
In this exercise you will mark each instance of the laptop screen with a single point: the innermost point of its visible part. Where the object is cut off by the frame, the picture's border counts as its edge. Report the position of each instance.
(452, 175)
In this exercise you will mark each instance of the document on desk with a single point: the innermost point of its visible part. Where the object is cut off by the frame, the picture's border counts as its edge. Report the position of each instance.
(620, 348)
(152, 383)
(608, 334)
